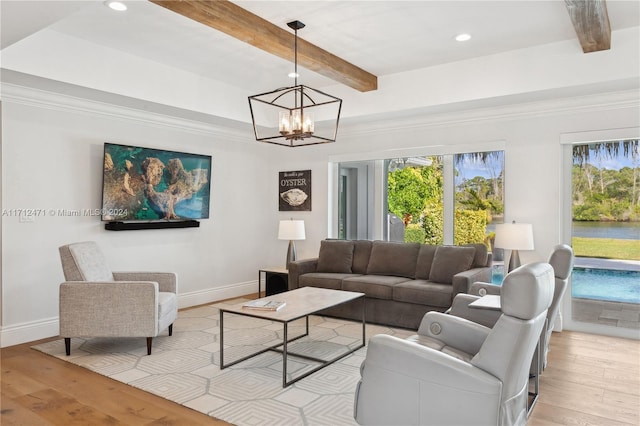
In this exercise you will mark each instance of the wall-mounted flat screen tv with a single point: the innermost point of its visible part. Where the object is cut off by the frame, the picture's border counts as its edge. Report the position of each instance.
(146, 184)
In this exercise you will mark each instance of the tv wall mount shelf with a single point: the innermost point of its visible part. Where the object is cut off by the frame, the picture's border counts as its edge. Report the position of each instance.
(131, 226)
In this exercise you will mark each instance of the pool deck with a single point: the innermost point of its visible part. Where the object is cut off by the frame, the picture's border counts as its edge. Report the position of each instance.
(593, 262)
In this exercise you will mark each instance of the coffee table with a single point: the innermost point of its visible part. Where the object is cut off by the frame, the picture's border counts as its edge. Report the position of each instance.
(300, 303)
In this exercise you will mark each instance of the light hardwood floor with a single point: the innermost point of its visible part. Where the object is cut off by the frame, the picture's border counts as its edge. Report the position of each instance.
(590, 380)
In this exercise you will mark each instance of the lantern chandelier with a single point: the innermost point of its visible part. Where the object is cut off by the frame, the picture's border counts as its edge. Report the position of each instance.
(297, 115)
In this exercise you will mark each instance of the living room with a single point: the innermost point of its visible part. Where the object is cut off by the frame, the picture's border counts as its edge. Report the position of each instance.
(59, 108)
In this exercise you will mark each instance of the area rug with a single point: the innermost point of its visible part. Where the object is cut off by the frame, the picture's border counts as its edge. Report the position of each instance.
(184, 368)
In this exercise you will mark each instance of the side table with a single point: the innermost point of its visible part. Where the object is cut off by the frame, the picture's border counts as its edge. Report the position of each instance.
(276, 280)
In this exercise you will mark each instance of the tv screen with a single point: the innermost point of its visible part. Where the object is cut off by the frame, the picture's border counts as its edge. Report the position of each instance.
(146, 184)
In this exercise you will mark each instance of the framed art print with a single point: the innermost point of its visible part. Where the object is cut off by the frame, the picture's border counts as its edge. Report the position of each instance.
(294, 193)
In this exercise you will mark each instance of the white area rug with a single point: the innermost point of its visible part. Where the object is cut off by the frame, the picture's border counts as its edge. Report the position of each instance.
(185, 367)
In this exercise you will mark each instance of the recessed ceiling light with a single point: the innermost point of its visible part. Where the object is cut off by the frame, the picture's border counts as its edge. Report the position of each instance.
(116, 5)
(463, 37)
(293, 75)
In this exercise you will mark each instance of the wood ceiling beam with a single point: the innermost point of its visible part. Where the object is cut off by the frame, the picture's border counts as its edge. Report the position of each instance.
(237, 22)
(591, 22)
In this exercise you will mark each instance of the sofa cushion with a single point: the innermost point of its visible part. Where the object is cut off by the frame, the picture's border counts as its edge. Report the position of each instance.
(396, 259)
(425, 259)
(450, 260)
(335, 256)
(480, 258)
(375, 286)
(322, 280)
(361, 254)
(424, 292)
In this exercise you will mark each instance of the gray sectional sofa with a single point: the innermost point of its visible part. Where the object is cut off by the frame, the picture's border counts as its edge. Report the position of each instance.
(401, 281)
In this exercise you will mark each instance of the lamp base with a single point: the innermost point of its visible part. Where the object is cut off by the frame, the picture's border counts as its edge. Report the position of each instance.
(514, 260)
(291, 254)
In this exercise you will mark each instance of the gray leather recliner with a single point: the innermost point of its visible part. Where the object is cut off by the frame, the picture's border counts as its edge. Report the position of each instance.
(561, 260)
(457, 372)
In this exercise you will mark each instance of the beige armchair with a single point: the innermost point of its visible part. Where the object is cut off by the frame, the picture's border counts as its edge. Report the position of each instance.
(561, 259)
(96, 302)
(457, 372)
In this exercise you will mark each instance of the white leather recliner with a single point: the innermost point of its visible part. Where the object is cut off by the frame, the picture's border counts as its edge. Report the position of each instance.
(561, 260)
(457, 372)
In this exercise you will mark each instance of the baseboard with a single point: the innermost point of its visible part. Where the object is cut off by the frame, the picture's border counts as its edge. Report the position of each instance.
(49, 327)
(28, 331)
(209, 295)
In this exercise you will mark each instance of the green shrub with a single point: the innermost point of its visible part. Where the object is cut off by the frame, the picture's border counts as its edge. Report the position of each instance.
(470, 227)
(433, 224)
(413, 233)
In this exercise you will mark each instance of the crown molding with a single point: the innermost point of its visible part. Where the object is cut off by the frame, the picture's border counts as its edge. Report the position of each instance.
(470, 114)
(23, 95)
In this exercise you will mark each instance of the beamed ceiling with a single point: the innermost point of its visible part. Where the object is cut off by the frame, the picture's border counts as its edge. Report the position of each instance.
(350, 42)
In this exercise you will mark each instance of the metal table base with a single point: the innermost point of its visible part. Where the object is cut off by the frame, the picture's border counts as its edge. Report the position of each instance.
(285, 343)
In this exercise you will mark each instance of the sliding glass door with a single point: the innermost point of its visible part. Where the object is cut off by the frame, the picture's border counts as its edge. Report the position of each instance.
(605, 233)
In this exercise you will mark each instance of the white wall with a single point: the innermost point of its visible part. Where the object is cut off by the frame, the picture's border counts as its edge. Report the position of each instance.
(52, 159)
(530, 135)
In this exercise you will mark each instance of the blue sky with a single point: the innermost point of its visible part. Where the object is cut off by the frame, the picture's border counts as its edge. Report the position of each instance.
(469, 168)
(613, 163)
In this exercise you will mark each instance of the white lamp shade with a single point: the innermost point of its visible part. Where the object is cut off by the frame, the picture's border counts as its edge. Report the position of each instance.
(514, 236)
(291, 230)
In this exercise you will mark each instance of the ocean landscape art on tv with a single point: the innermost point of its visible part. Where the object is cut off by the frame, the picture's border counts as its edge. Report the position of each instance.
(146, 184)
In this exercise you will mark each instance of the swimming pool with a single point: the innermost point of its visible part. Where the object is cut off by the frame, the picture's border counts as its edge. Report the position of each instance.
(606, 284)
(597, 284)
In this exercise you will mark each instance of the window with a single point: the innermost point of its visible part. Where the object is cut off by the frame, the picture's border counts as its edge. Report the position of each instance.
(434, 199)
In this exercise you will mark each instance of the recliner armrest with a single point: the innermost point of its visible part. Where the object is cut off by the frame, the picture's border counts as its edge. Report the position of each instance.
(167, 281)
(481, 288)
(453, 331)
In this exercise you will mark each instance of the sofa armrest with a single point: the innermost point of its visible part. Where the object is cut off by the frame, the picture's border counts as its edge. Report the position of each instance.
(167, 281)
(300, 267)
(102, 309)
(406, 383)
(462, 281)
(453, 331)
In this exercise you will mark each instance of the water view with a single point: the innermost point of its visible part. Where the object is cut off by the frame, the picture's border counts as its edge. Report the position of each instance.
(596, 284)
(606, 284)
(615, 230)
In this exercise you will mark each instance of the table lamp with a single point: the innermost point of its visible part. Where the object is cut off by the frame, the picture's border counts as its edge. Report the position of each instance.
(514, 236)
(291, 230)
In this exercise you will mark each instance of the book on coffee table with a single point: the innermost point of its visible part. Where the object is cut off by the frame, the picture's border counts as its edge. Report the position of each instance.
(264, 305)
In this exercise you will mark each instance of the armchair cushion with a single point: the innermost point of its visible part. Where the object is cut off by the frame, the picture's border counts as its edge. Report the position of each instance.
(336, 256)
(450, 260)
(84, 262)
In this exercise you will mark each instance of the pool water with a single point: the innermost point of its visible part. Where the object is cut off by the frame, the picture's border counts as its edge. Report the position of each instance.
(596, 284)
(606, 284)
